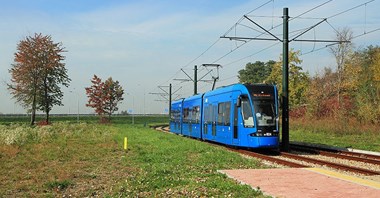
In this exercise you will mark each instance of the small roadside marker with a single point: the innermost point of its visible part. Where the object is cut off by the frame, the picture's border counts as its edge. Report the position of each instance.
(125, 143)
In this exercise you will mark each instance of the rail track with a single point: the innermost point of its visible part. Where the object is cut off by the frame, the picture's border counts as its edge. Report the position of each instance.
(368, 158)
(273, 157)
(269, 158)
(330, 164)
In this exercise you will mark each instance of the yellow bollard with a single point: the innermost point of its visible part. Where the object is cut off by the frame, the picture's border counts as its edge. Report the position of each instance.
(125, 143)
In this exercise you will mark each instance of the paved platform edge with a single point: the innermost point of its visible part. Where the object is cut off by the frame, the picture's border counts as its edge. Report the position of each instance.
(349, 178)
(243, 183)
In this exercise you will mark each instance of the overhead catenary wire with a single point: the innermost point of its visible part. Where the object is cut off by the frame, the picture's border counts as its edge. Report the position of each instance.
(345, 11)
(314, 8)
(337, 31)
(228, 78)
(312, 27)
(215, 42)
(228, 53)
(261, 33)
(262, 5)
(258, 52)
(201, 53)
(326, 46)
(239, 23)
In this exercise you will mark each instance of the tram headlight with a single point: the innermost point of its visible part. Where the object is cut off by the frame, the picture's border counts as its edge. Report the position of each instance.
(264, 134)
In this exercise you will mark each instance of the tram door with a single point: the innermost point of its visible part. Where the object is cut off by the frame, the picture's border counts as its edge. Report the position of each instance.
(214, 121)
(235, 132)
(209, 131)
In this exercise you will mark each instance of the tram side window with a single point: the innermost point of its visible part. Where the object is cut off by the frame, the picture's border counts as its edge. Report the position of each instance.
(208, 114)
(186, 115)
(227, 114)
(224, 109)
(173, 115)
(246, 110)
(195, 115)
(220, 113)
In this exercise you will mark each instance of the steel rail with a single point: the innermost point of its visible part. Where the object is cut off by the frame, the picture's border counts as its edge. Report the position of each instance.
(250, 153)
(331, 164)
(351, 153)
(268, 158)
(293, 156)
(336, 155)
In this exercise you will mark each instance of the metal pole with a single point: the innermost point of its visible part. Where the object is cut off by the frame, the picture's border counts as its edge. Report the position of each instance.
(77, 104)
(78, 108)
(195, 80)
(285, 82)
(170, 101)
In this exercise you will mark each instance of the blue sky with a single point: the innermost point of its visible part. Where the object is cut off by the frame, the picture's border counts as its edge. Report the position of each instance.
(145, 43)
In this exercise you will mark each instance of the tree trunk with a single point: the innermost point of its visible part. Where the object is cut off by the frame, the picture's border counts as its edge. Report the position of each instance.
(46, 102)
(33, 116)
(47, 117)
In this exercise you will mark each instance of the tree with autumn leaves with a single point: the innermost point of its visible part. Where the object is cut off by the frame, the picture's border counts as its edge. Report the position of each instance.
(352, 91)
(37, 73)
(271, 72)
(104, 96)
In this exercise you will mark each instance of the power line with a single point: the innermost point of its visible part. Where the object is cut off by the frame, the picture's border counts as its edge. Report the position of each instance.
(241, 18)
(239, 23)
(262, 50)
(228, 53)
(260, 7)
(257, 37)
(365, 33)
(228, 78)
(340, 13)
(227, 31)
(202, 53)
(318, 6)
(216, 42)
(357, 36)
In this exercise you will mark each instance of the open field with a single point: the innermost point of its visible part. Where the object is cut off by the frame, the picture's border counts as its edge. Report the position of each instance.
(87, 159)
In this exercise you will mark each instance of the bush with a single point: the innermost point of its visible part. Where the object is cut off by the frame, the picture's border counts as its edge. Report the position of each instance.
(20, 134)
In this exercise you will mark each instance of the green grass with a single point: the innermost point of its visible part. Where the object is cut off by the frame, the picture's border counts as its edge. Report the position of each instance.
(172, 165)
(333, 133)
(88, 159)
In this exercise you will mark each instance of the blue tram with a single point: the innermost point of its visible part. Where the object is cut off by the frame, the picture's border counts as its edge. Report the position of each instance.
(237, 115)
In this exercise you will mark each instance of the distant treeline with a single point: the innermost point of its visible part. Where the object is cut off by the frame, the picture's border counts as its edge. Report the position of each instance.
(81, 115)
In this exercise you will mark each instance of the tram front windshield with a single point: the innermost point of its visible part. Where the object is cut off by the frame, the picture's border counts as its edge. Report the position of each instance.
(265, 112)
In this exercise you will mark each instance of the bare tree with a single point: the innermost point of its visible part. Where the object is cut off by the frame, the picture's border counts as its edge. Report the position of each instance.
(341, 52)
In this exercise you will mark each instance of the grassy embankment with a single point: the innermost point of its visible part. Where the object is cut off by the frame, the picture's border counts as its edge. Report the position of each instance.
(88, 159)
(334, 133)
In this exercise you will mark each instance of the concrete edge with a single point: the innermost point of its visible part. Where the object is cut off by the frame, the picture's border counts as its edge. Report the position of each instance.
(243, 183)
